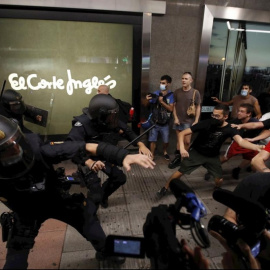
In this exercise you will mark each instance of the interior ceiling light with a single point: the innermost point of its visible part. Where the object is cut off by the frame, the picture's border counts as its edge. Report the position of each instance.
(247, 30)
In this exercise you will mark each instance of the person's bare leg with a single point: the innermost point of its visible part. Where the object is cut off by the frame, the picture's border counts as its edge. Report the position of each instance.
(153, 148)
(175, 175)
(187, 140)
(165, 147)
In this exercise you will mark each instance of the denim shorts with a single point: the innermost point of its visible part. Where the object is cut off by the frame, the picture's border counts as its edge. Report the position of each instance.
(182, 126)
(163, 130)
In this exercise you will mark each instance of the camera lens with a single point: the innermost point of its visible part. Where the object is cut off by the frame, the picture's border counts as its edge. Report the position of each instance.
(225, 228)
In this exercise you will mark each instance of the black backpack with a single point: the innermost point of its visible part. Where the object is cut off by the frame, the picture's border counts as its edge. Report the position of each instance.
(159, 114)
(124, 109)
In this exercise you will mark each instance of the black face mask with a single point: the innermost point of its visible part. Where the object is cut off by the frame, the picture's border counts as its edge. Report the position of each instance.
(216, 122)
(17, 107)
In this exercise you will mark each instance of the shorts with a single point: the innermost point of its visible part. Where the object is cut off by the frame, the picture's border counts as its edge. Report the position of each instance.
(195, 160)
(267, 147)
(181, 126)
(163, 130)
(235, 149)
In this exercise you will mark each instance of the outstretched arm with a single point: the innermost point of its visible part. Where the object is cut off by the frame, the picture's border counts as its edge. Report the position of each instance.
(258, 162)
(119, 156)
(181, 137)
(251, 125)
(246, 144)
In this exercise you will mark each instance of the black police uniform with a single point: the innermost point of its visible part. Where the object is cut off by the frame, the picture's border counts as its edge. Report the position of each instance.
(88, 130)
(38, 195)
(29, 112)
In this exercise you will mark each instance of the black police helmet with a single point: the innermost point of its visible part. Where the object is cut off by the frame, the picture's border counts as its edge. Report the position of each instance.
(104, 110)
(16, 155)
(13, 101)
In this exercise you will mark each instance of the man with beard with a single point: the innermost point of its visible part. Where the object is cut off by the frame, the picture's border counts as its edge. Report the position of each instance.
(100, 123)
(205, 149)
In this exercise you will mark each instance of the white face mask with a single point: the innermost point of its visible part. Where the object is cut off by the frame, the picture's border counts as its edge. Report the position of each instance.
(162, 87)
(244, 93)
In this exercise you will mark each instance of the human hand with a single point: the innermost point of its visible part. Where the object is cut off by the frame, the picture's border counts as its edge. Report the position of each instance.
(259, 147)
(149, 96)
(39, 118)
(95, 166)
(139, 159)
(144, 150)
(184, 153)
(232, 260)
(176, 121)
(194, 123)
(196, 256)
(236, 126)
(215, 99)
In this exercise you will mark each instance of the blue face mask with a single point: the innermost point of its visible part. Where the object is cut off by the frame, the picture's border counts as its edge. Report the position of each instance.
(162, 87)
(244, 93)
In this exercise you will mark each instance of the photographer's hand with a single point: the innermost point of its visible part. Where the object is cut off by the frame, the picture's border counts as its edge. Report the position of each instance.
(196, 255)
(232, 260)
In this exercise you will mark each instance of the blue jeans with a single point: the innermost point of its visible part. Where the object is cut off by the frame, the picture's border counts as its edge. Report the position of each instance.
(182, 126)
(163, 130)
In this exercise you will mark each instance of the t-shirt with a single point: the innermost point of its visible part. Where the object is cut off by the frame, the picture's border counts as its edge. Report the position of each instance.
(247, 133)
(266, 123)
(182, 101)
(238, 100)
(210, 138)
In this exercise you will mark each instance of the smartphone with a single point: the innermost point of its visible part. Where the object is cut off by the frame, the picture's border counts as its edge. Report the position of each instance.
(125, 246)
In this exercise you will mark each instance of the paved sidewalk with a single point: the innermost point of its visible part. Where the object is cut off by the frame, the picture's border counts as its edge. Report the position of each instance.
(59, 246)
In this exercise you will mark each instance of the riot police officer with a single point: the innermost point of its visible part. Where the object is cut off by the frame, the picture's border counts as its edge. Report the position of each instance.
(33, 190)
(100, 123)
(13, 106)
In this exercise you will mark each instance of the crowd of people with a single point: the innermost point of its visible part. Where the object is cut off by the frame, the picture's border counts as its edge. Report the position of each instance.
(34, 191)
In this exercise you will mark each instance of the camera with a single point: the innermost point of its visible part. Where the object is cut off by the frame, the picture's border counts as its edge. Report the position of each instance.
(160, 243)
(252, 219)
(152, 95)
(125, 246)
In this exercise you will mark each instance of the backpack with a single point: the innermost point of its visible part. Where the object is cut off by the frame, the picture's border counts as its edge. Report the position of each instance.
(160, 115)
(124, 108)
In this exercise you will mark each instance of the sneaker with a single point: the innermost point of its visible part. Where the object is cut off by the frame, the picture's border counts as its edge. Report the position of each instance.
(207, 176)
(162, 192)
(175, 163)
(101, 256)
(235, 173)
(104, 203)
(166, 156)
(218, 183)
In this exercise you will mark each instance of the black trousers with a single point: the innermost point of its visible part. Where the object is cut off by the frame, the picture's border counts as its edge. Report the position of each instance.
(96, 192)
(75, 210)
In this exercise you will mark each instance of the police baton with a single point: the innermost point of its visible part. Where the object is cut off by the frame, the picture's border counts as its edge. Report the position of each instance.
(3, 88)
(139, 136)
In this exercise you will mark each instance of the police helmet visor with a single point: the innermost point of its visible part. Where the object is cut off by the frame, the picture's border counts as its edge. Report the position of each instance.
(109, 118)
(16, 157)
(17, 107)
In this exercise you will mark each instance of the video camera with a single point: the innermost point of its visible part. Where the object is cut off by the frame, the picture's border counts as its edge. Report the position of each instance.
(252, 220)
(154, 95)
(159, 243)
